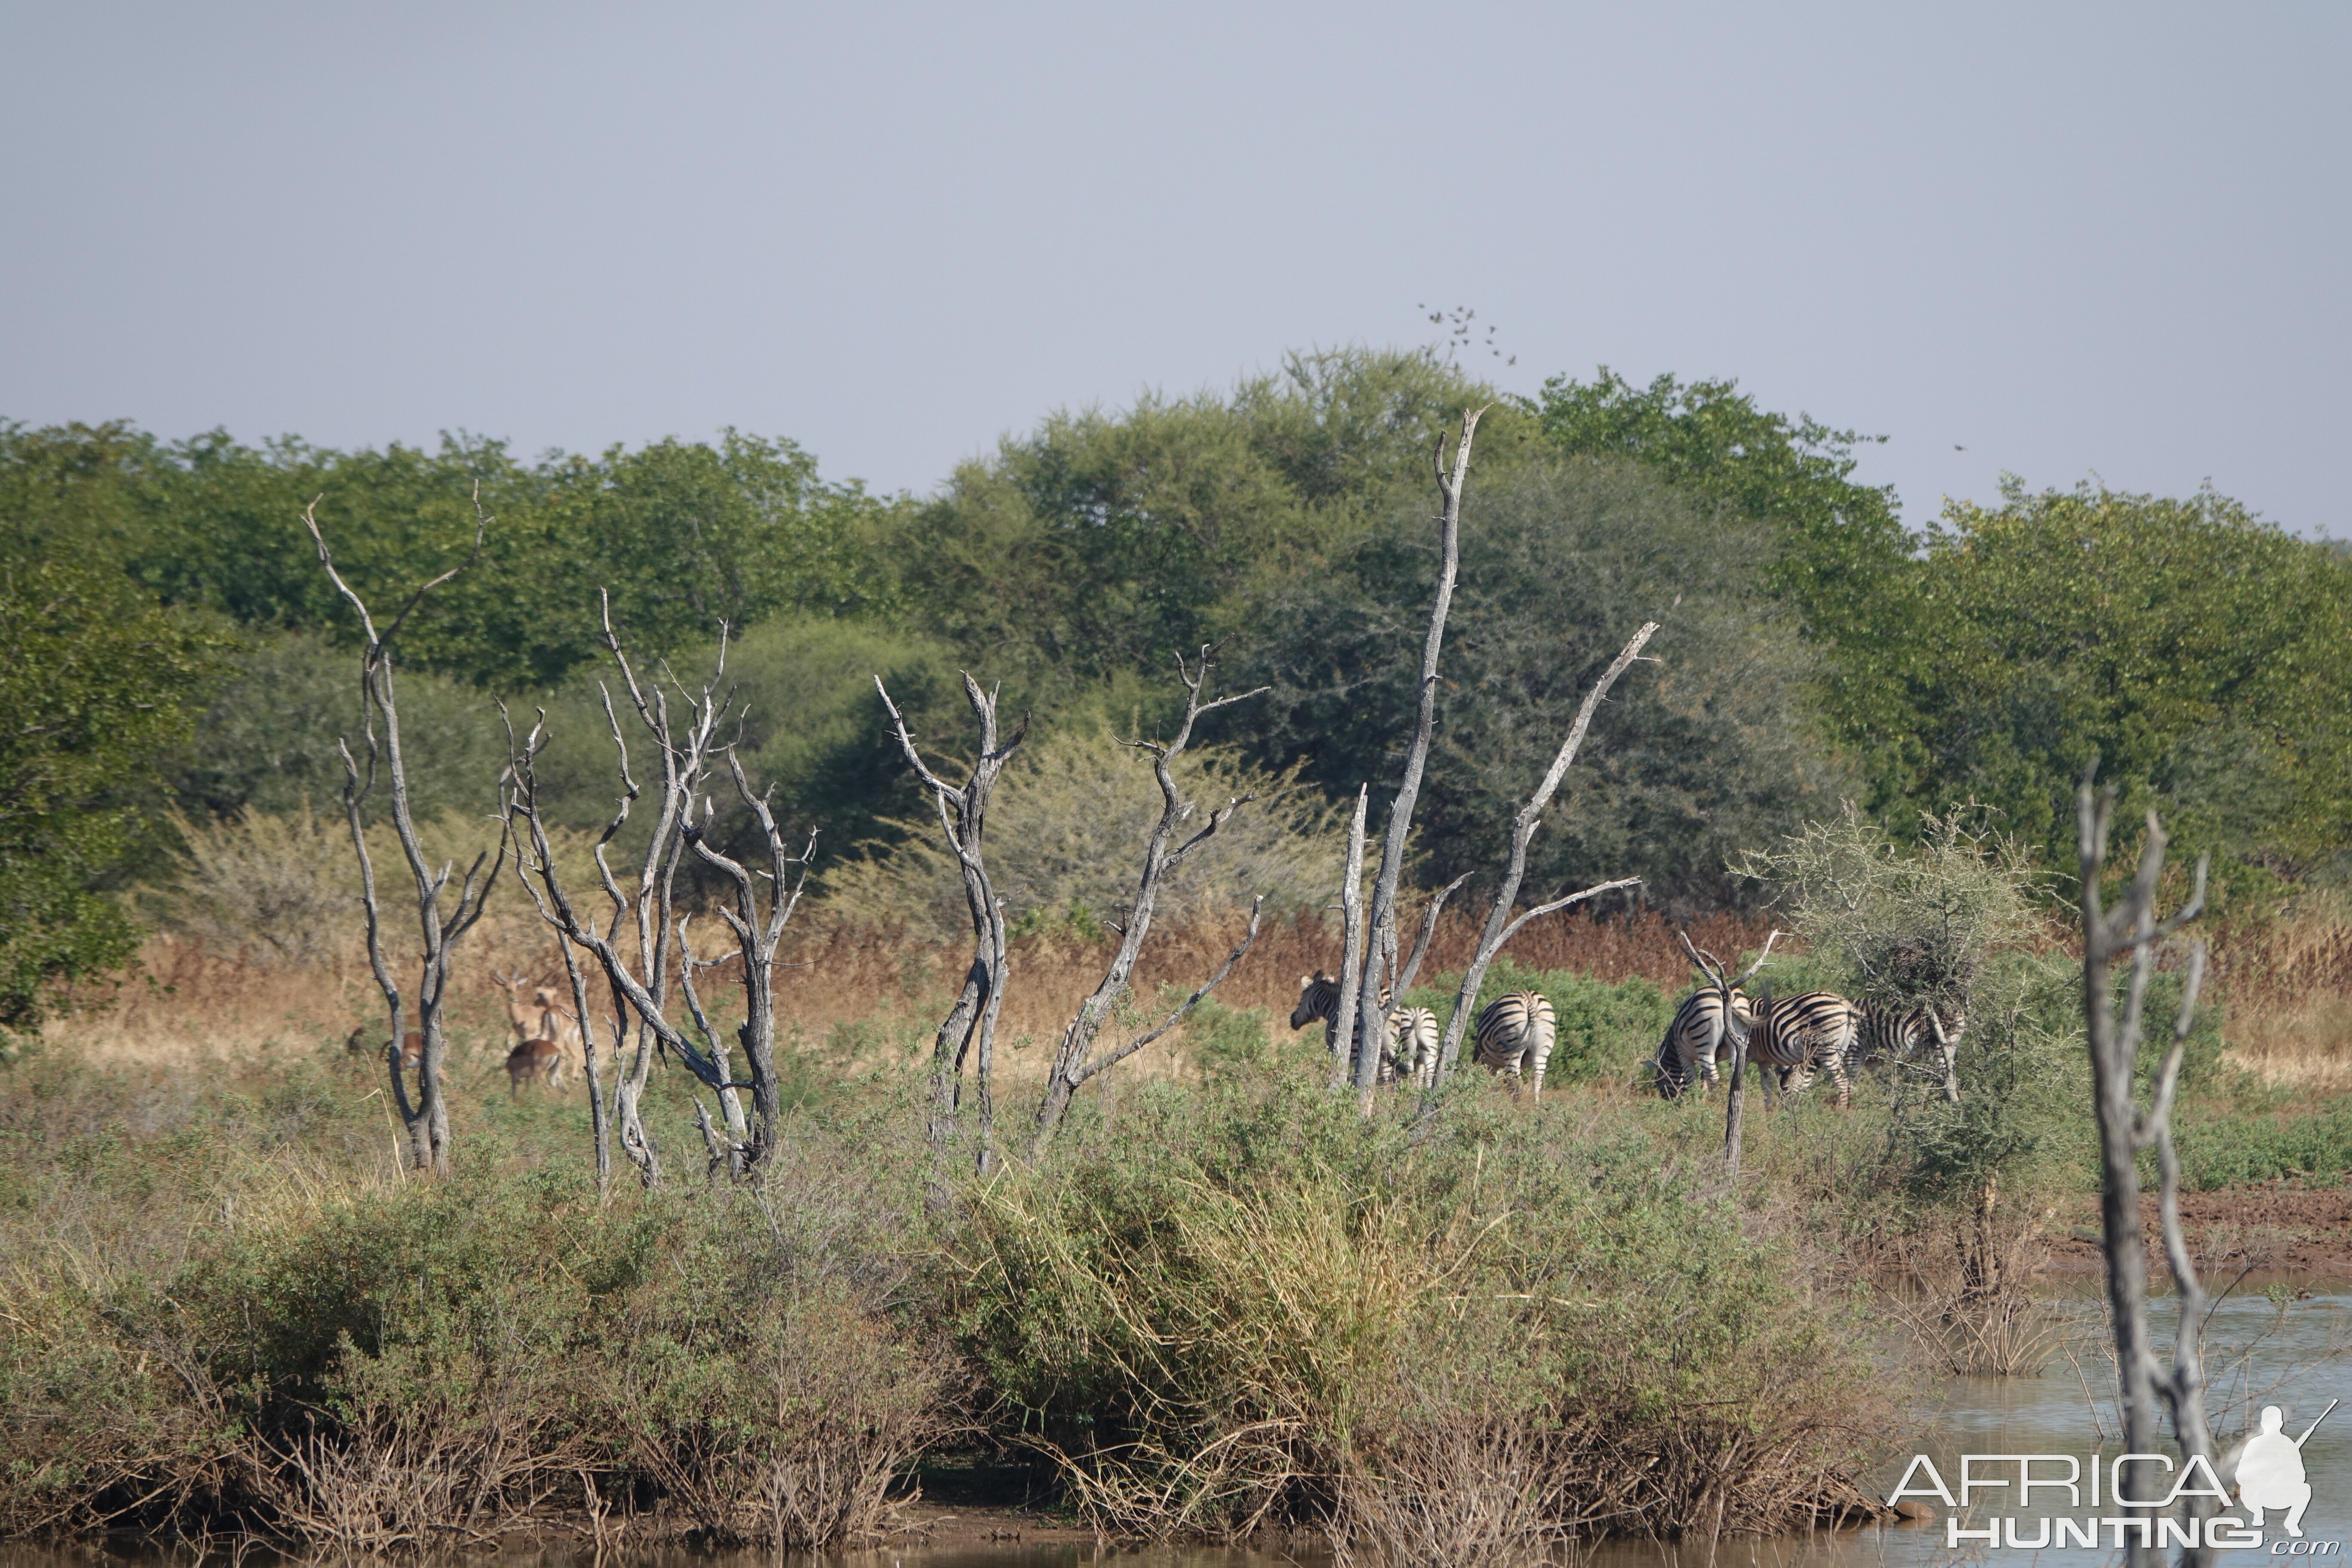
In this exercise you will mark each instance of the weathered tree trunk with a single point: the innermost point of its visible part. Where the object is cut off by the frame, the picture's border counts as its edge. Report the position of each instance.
(971, 1022)
(599, 1121)
(1360, 984)
(1347, 1012)
(759, 935)
(2125, 1131)
(427, 1117)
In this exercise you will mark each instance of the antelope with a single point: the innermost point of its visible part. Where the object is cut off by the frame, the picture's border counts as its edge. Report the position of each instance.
(412, 1047)
(539, 1058)
(556, 1021)
(529, 1018)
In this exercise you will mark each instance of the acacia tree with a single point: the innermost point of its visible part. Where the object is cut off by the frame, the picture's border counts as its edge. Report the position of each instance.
(2131, 931)
(427, 1117)
(1918, 925)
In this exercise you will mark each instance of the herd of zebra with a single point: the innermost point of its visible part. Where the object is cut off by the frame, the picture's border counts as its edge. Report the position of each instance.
(1798, 1036)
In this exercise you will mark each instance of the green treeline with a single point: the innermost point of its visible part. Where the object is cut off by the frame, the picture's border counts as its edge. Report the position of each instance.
(167, 639)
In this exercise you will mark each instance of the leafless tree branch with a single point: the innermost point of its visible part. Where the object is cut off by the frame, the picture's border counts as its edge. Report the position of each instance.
(1071, 1066)
(969, 1031)
(1523, 831)
(1257, 907)
(427, 1117)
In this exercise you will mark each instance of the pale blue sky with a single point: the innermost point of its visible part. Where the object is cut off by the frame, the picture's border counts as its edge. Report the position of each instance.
(2068, 238)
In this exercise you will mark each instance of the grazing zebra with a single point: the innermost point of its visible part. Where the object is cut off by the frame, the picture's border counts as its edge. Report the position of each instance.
(1895, 1033)
(1801, 1033)
(1412, 1047)
(1412, 1043)
(1513, 1027)
(1694, 1037)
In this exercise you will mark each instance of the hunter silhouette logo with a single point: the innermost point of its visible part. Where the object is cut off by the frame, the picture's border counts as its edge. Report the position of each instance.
(2270, 1471)
(2267, 1470)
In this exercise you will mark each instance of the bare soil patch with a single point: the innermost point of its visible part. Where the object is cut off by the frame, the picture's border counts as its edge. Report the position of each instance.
(2286, 1226)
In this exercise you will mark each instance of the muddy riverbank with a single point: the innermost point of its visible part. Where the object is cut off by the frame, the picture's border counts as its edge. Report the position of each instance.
(2288, 1227)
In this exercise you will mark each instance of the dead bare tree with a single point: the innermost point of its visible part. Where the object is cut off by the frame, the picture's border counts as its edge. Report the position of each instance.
(1500, 926)
(1736, 1032)
(2125, 1131)
(972, 1021)
(1074, 1060)
(758, 935)
(1347, 1011)
(647, 918)
(1411, 970)
(1362, 980)
(427, 1117)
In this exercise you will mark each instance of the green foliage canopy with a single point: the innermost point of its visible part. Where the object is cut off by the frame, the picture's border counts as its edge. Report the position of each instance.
(94, 687)
(1839, 548)
(683, 534)
(1702, 752)
(1102, 543)
(2202, 655)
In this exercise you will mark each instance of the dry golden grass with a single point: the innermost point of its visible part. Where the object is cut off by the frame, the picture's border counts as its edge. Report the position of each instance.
(860, 991)
(864, 993)
(2288, 985)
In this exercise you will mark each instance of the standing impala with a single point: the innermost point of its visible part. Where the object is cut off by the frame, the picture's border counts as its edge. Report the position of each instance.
(543, 1032)
(534, 1058)
(529, 1018)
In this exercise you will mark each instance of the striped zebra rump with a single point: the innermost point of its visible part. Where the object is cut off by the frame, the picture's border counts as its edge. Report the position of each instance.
(1691, 1040)
(1514, 1029)
(1801, 1035)
(1413, 1044)
(1902, 1034)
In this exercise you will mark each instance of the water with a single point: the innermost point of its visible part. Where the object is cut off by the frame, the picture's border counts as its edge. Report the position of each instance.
(2298, 1357)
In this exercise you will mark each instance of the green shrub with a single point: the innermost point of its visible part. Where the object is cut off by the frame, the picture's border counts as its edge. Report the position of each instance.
(358, 1362)
(1260, 1306)
(2222, 1148)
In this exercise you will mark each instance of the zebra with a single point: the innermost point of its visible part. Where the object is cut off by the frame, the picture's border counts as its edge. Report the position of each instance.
(1799, 1035)
(1513, 1027)
(1900, 1034)
(1692, 1039)
(1412, 1045)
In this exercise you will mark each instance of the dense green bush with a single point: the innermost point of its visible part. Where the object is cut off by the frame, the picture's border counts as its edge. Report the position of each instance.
(95, 686)
(1258, 1305)
(1701, 751)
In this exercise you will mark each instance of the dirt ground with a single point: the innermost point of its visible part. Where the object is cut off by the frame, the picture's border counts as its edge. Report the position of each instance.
(2284, 1226)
